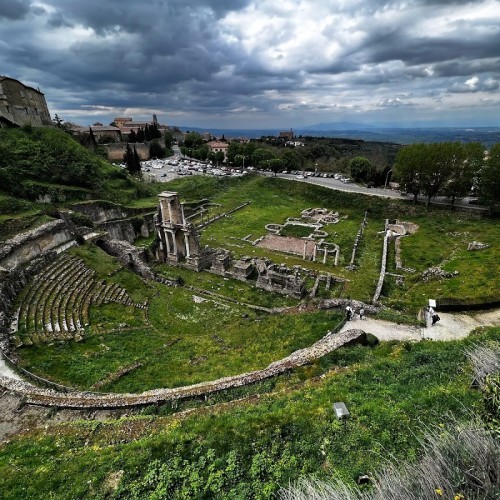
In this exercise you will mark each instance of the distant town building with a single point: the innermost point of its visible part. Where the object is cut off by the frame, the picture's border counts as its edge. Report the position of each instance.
(127, 125)
(294, 144)
(287, 134)
(216, 146)
(21, 105)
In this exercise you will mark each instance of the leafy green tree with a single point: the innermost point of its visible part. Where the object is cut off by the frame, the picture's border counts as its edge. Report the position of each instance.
(193, 140)
(169, 139)
(437, 166)
(276, 165)
(291, 160)
(261, 156)
(360, 168)
(141, 137)
(409, 168)
(489, 178)
(219, 157)
(132, 136)
(131, 160)
(465, 163)
(233, 150)
(155, 150)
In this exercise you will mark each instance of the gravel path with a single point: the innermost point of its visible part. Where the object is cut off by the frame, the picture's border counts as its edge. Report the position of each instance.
(450, 327)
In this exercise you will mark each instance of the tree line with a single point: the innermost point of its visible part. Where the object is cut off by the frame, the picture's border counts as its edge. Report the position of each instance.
(450, 169)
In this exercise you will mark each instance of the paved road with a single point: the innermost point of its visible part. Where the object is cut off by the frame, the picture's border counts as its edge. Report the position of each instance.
(384, 193)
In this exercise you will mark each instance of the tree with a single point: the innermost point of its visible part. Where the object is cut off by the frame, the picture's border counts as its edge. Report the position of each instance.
(140, 135)
(409, 167)
(360, 168)
(155, 150)
(131, 160)
(437, 166)
(132, 137)
(260, 157)
(276, 165)
(291, 160)
(233, 150)
(58, 122)
(466, 161)
(169, 139)
(137, 163)
(489, 178)
(93, 142)
(193, 140)
(219, 157)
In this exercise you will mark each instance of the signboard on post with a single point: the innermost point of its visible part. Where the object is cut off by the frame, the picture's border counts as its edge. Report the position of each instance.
(432, 302)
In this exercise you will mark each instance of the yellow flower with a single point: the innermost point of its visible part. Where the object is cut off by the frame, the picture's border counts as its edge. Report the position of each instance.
(439, 491)
(459, 496)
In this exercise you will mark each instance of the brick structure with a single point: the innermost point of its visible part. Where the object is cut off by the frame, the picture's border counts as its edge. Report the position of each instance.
(22, 105)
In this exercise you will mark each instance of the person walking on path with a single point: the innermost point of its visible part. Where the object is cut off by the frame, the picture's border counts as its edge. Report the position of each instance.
(349, 313)
(361, 314)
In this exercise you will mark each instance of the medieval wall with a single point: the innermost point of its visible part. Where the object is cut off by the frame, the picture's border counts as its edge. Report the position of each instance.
(116, 151)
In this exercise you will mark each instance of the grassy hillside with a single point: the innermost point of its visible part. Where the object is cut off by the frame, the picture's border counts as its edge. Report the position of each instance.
(249, 448)
(37, 163)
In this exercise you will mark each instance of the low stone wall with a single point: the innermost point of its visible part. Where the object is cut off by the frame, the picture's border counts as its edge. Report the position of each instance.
(46, 397)
(383, 264)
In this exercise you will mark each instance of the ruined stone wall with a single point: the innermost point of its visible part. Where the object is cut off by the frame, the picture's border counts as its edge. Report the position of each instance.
(116, 151)
(31, 244)
(74, 399)
(128, 255)
(102, 212)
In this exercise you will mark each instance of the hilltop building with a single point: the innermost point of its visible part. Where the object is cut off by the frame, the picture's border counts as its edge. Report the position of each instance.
(21, 105)
(127, 124)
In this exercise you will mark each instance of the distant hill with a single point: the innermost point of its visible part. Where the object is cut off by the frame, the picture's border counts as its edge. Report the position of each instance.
(486, 135)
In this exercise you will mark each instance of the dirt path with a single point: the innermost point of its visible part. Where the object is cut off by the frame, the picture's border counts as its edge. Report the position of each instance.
(450, 327)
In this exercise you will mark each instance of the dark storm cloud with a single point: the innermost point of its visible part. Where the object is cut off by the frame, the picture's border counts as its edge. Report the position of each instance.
(14, 9)
(215, 56)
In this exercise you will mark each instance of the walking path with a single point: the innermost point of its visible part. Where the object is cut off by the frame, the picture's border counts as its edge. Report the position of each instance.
(450, 327)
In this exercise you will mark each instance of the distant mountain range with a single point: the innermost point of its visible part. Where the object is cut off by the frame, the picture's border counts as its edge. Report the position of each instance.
(486, 135)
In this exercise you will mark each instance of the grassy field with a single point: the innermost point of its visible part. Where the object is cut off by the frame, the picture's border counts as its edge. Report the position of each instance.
(188, 336)
(248, 449)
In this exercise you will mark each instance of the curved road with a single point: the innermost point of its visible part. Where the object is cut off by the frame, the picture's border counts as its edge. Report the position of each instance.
(384, 193)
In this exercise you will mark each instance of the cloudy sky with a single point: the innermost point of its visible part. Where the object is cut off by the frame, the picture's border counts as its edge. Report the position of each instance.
(259, 63)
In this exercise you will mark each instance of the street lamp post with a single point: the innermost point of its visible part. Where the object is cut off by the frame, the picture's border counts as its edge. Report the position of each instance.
(387, 178)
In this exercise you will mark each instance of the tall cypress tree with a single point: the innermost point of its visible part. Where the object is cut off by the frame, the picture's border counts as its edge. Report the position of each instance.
(137, 163)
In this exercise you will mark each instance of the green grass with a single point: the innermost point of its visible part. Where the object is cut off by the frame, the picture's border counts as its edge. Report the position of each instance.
(251, 448)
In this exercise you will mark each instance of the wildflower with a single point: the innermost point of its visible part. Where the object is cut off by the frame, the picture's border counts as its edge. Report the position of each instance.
(439, 491)
(459, 496)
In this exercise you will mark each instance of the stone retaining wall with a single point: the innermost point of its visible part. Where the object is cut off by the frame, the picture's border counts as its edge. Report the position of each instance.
(383, 264)
(32, 244)
(46, 397)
